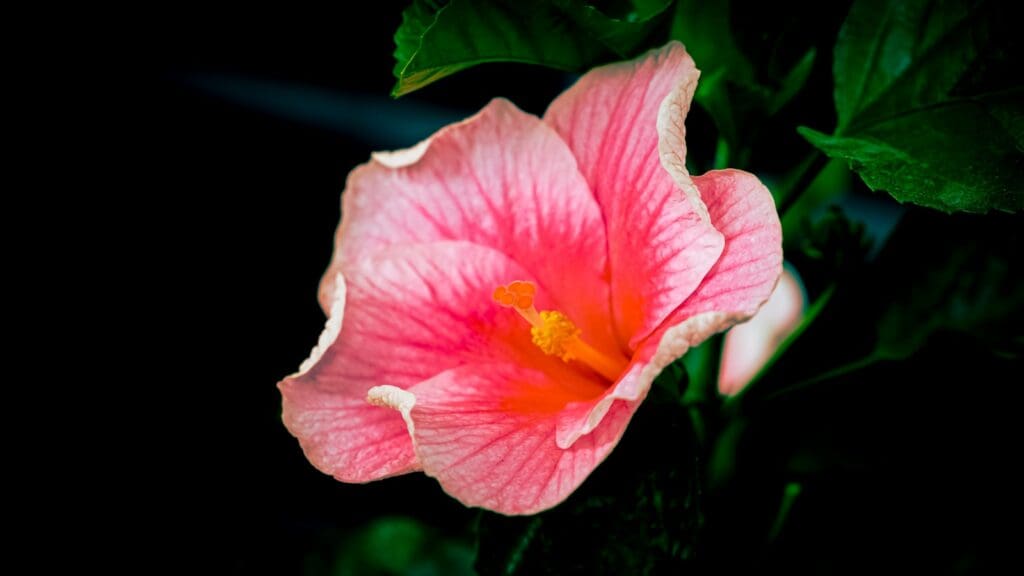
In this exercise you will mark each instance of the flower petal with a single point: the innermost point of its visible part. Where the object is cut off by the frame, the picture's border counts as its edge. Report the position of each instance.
(502, 179)
(344, 436)
(624, 123)
(749, 346)
(733, 291)
(744, 277)
(487, 433)
(410, 314)
(740, 282)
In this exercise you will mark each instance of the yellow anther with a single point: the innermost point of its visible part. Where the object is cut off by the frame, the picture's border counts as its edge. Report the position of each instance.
(554, 334)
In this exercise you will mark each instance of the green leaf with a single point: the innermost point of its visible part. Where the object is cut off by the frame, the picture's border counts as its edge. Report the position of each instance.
(929, 107)
(895, 56)
(438, 38)
(955, 156)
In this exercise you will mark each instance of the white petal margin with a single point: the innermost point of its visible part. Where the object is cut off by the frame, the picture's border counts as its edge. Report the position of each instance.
(331, 328)
(404, 157)
(395, 398)
(583, 418)
(671, 125)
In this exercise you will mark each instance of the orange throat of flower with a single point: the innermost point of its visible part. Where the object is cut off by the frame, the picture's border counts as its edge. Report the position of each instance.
(555, 334)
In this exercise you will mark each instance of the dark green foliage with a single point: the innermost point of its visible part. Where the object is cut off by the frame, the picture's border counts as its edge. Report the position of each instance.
(960, 275)
(639, 513)
(438, 38)
(929, 104)
(738, 91)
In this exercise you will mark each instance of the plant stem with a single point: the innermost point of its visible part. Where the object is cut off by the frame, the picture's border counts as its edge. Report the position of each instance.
(789, 496)
(721, 154)
(851, 367)
(797, 182)
(701, 394)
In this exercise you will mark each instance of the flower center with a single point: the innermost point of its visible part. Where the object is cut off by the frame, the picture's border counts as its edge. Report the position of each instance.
(555, 334)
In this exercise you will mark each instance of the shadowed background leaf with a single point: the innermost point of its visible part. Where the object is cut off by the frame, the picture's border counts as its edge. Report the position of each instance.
(744, 83)
(637, 514)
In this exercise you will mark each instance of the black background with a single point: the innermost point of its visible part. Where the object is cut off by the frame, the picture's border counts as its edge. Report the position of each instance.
(237, 206)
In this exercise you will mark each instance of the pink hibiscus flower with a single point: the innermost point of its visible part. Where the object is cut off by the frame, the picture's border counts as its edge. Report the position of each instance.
(503, 294)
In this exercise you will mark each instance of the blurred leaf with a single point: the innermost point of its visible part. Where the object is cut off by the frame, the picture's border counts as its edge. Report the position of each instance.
(800, 179)
(800, 204)
(732, 106)
(705, 30)
(393, 545)
(438, 38)
(834, 242)
(637, 514)
(927, 110)
(793, 81)
(730, 88)
(961, 276)
(937, 276)
(674, 379)
(727, 88)
(700, 365)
